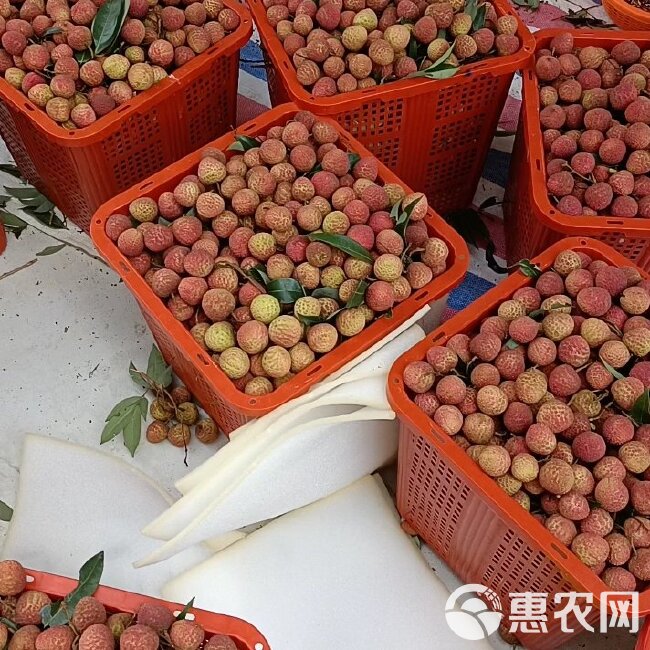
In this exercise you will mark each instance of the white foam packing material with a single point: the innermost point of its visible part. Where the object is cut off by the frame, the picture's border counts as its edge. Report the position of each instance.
(303, 465)
(339, 401)
(73, 502)
(377, 358)
(339, 573)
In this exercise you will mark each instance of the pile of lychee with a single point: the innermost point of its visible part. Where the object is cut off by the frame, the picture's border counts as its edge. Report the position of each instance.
(211, 246)
(595, 118)
(174, 414)
(338, 46)
(91, 626)
(46, 51)
(547, 398)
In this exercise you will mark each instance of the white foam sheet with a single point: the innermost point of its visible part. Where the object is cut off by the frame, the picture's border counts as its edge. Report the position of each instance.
(370, 391)
(339, 573)
(74, 501)
(379, 357)
(302, 466)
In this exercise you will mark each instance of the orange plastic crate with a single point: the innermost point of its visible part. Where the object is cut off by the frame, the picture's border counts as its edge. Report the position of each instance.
(477, 529)
(79, 170)
(643, 641)
(245, 636)
(532, 222)
(435, 135)
(228, 406)
(627, 16)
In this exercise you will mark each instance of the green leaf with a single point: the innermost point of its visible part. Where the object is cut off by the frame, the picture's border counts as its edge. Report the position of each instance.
(133, 431)
(357, 297)
(354, 158)
(83, 57)
(107, 25)
(316, 168)
(529, 269)
(442, 72)
(186, 610)
(52, 31)
(325, 292)
(157, 370)
(5, 512)
(442, 33)
(244, 143)
(343, 243)
(640, 412)
(123, 406)
(113, 427)
(50, 250)
(612, 371)
(22, 193)
(311, 320)
(470, 8)
(479, 20)
(12, 223)
(403, 216)
(413, 48)
(258, 273)
(89, 576)
(286, 290)
(9, 168)
(137, 378)
(10, 624)
(511, 344)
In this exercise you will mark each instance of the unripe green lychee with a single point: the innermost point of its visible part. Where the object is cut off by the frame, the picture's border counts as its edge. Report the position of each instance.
(276, 361)
(307, 306)
(265, 308)
(220, 337)
(234, 362)
(116, 66)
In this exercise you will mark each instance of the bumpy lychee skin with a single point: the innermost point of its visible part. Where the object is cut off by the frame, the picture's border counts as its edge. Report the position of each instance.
(13, 578)
(156, 616)
(55, 638)
(562, 528)
(418, 376)
(556, 477)
(139, 637)
(89, 611)
(590, 549)
(494, 461)
(29, 606)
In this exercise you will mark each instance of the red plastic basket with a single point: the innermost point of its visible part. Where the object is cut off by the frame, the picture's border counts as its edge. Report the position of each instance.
(627, 16)
(643, 642)
(81, 169)
(228, 406)
(463, 514)
(532, 222)
(245, 636)
(435, 135)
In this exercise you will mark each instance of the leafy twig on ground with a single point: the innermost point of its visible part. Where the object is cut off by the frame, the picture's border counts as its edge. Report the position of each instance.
(18, 268)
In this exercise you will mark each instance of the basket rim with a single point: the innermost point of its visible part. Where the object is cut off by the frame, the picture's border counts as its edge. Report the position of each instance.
(110, 123)
(521, 520)
(532, 132)
(213, 623)
(630, 11)
(395, 89)
(323, 367)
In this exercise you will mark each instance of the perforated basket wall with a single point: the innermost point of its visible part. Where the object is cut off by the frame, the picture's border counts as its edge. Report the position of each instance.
(435, 135)
(245, 636)
(532, 222)
(466, 518)
(228, 406)
(79, 170)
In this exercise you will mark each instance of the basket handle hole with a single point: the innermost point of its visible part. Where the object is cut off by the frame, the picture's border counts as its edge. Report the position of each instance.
(144, 186)
(614, 222)
(189, 616)
(30, 578)
(583, 242)
(559, 550)
(421, 296)
(442, 440)
(252, 401)
(29, 107)
(202, 359)
(313, 371)
(125, 267)
(259, 646)
(438, 335)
